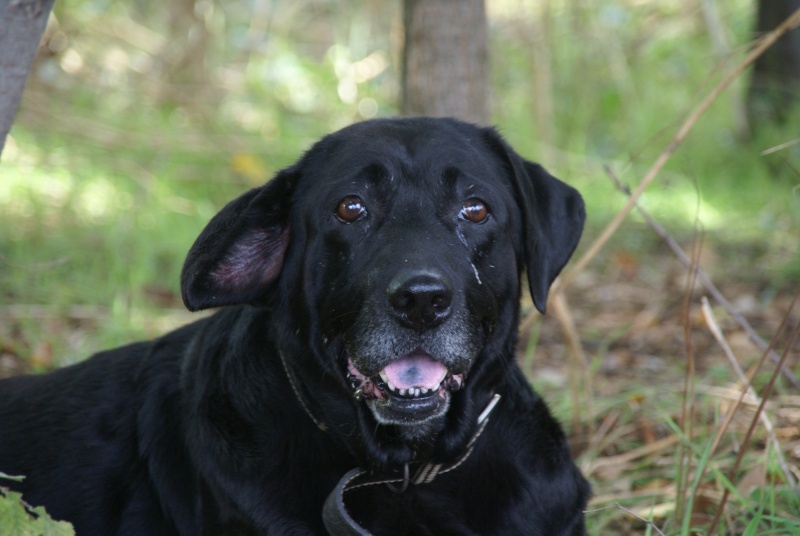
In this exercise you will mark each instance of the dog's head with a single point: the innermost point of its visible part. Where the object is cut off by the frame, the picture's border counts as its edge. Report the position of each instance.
(393, 250)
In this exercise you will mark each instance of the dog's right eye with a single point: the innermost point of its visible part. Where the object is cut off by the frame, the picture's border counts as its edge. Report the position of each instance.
(350, 209)
(475, 210)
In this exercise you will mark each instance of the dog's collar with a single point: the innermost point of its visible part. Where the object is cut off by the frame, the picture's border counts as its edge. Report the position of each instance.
(334, 513)
(300, 398)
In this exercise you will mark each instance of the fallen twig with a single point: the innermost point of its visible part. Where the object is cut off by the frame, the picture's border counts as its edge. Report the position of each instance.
(687, 421)
(34, 266)
(40, 312)
(580, 376)
(618, 506)
(764, 397)
(627, 457)
(747, 385)
(596, 439)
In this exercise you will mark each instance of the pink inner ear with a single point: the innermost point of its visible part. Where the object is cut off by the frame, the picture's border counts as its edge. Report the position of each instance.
(253, 261)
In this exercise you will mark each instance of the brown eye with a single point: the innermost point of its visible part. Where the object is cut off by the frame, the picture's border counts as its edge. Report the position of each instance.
(350, 209)
(475, 210)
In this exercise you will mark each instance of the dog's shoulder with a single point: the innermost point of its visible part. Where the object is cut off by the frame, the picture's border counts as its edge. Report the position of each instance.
(528, 452)
(107, 423)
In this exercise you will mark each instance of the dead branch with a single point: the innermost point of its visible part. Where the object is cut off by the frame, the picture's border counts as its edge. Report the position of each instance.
(627, 457)
(703, 278)
(687, 420)
(760, 46)
(41, 312)
(780, 147)
(580, 377)
(764, 397)
(743, 393)
(716, 331)
(47, 265)
(618, 506)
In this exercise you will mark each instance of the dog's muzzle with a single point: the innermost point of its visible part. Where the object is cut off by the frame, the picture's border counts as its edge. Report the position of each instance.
(410, 390)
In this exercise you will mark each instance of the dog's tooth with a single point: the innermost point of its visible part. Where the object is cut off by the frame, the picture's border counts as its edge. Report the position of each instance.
(390, 386)
(423, 391)
(416, 392)
(402, 391)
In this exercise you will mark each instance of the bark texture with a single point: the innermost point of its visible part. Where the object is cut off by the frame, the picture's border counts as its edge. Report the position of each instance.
(775, 83)
(22, 23)
(446, 59)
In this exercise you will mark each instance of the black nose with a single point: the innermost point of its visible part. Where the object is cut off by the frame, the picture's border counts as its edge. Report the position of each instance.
(420, 299)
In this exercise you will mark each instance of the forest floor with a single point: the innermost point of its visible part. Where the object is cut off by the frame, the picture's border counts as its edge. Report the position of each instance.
(634, 317)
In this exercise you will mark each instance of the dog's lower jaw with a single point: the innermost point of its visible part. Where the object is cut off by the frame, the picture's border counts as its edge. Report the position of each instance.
(384, 414)
(420, 438)
(423, 434)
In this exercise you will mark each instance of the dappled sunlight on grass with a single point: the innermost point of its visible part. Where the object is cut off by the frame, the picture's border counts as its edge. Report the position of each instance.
(80, 267)
(99, 199)
(684, 205)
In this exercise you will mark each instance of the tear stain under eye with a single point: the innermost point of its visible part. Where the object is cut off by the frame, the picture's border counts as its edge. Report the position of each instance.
(464, 241)
(475, 271)
(461, 237)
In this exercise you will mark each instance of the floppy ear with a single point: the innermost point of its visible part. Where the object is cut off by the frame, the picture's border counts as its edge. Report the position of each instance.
(241, 250)
(553, 214)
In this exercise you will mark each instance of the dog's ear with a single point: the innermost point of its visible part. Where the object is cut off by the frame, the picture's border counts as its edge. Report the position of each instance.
(241, 250)
(553, 214)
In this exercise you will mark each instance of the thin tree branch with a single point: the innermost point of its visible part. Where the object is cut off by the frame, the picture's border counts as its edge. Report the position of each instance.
(749, 435)
(580, 375)
(716, 331)
(618, 506)
(705, 281)
(22, 23)
(761, 45)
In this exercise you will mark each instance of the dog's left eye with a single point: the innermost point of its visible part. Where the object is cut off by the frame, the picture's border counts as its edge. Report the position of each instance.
(350, 209)
(475, 210)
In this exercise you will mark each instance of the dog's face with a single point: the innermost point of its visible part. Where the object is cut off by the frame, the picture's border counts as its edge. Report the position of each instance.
(396, 246)
(414, 253)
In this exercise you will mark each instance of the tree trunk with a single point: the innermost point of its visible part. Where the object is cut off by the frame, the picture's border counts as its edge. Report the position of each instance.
(184, 59)
(775, 82)
(446, 59)
(22, 23)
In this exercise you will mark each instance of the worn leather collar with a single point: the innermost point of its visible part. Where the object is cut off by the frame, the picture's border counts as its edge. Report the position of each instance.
(338, 520)
(300, 398)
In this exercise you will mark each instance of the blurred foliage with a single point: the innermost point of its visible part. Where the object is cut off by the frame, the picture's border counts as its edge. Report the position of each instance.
(140, 120)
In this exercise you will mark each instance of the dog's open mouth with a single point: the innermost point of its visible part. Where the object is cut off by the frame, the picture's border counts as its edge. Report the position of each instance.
(409, 390)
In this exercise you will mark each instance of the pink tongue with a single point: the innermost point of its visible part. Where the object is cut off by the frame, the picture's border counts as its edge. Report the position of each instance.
(415, 371)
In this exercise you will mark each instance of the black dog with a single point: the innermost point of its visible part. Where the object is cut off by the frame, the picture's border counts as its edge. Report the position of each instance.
(363, 365)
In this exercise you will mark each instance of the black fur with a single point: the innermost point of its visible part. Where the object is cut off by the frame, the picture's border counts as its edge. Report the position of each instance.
(201, 431)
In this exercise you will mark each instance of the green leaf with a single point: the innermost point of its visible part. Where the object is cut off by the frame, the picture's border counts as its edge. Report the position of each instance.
(19, 519)
(9, 477)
